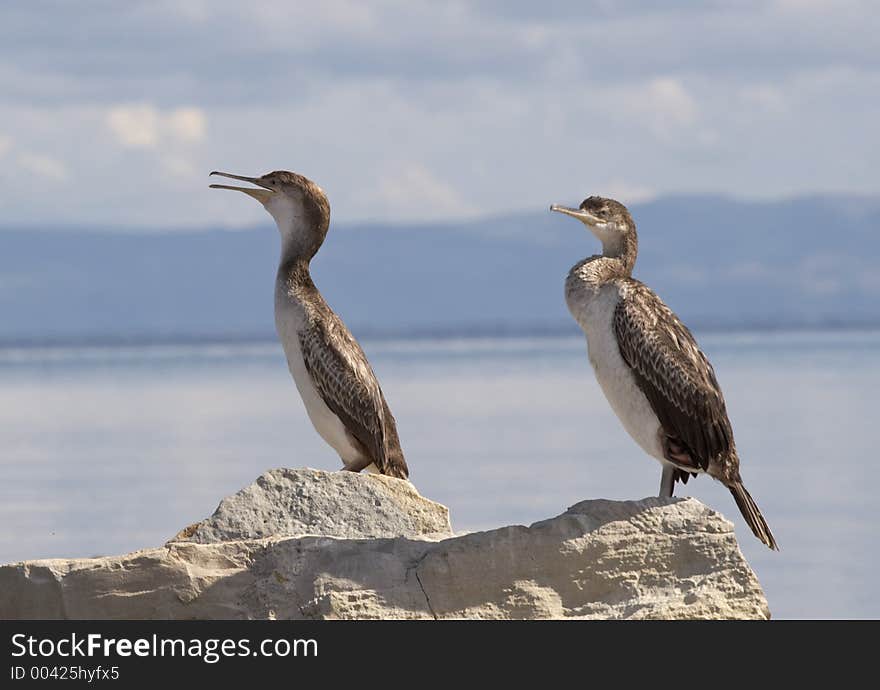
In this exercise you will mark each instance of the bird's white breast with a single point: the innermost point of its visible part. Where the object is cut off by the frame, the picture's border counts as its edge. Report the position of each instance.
(593, 309)
(290, 319)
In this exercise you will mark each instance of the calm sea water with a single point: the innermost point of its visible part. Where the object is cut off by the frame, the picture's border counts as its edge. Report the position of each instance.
(106, 450)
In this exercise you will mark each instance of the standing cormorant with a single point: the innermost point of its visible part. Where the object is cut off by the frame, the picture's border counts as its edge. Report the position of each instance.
(339, 389)
(657, 380)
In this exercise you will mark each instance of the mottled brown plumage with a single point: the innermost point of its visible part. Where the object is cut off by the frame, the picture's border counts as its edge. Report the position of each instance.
(345, 380)
(339, 389)
(677, 379)
(660, 355)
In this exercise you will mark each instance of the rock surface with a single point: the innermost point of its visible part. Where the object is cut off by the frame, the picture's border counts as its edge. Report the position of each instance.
(283, 503)
(311, 544)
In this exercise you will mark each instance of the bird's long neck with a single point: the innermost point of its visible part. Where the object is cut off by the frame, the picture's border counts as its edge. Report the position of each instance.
(616, 261)
(298, 244)
(294, 277)
(619, 253)
(294, 287)
(302, 231)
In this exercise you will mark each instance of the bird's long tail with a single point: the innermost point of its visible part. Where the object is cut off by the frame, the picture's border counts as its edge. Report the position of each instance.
(752, 514)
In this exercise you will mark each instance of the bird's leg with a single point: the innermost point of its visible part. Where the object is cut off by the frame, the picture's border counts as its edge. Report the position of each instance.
(356, 465)
(667, 481)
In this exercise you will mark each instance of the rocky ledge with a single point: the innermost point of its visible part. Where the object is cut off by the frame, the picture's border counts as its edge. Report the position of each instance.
(311, 544)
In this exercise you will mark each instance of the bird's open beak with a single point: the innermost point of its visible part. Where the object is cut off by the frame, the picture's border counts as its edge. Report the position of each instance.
(262, 195)
(580, 214)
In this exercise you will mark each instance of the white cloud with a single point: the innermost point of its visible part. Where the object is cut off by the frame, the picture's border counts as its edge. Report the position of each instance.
(42, 165)
(135, 126)
(405, 109)
(169, 135)
(413, 191)
(145, 126)
(178, 166)
(5, 145)
(186, 124)
(670, 101)
(663, 106)
(627, 193)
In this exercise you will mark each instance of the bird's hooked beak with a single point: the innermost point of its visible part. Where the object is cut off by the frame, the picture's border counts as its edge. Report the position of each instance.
(262, 195)
(583, 216)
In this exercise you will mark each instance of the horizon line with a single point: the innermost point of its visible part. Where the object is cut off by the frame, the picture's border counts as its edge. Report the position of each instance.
(100, 228)
(462, 332)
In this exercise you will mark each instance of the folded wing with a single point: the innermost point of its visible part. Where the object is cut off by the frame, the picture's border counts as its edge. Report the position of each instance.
(675, 376)
(346, 382)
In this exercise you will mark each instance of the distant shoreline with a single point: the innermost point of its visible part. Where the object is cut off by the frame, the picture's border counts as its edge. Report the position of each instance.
(463, 332)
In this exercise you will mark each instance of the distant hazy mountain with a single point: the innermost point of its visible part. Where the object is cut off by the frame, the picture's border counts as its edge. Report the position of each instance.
(717, 262)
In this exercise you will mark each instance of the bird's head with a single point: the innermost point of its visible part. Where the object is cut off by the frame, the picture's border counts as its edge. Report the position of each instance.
(608, 220)
(298, 205)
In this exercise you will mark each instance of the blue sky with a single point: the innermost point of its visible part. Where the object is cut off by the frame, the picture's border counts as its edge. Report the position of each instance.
(113, 113)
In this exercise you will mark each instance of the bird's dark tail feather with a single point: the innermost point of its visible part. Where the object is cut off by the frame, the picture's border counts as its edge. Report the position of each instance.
(395, 465)
(752, 514)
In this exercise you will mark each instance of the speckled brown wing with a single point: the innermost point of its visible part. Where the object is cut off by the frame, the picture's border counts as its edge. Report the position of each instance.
(346, 382)
(675, 376)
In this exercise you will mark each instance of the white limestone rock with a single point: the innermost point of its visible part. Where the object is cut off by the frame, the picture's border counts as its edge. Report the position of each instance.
(655, 558)
(288, 502)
